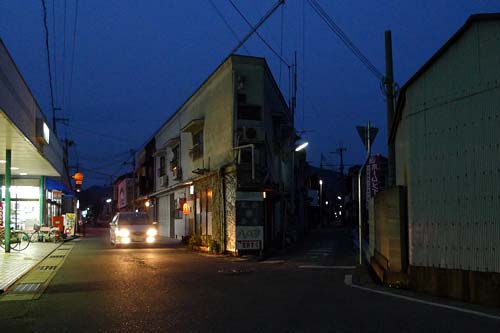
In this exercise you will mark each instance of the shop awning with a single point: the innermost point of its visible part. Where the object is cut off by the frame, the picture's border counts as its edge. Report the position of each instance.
(26, 159)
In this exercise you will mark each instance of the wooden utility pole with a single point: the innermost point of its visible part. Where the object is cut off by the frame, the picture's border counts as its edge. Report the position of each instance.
(340, 150)
(389, 88)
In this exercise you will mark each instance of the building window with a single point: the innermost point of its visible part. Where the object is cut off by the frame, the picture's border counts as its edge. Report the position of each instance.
(197, 150)
(161, 169)
(250, 112)
(174, 162)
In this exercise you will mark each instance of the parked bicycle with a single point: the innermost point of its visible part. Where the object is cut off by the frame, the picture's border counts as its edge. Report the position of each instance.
(43, 234)
(19, 240)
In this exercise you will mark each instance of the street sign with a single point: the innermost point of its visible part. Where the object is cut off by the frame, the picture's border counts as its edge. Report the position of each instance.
(362, 131)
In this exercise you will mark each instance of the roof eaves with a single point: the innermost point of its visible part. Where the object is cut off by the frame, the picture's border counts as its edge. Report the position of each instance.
(402, 92)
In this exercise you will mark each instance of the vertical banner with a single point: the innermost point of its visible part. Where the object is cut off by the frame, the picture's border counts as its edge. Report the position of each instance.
(1, 212)
(373, 177)
(69, 223)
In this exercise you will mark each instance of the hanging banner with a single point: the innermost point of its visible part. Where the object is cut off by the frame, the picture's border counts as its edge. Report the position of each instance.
(1, 213)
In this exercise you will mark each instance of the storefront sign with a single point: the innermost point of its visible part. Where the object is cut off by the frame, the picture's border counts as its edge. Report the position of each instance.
(122, 194)
(249, 238)
(69, 222)
(185, 208)
(373, 176)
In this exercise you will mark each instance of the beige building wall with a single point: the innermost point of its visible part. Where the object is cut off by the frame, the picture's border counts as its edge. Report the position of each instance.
(448, 155)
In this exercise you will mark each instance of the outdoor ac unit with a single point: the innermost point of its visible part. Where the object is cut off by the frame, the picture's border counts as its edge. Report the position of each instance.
(251, 134)
(164, 180)
(177, 173)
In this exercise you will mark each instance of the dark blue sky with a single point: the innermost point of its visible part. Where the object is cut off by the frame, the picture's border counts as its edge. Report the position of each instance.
(136, 62)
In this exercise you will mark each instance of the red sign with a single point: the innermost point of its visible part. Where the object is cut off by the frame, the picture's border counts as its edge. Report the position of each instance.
(185, 208)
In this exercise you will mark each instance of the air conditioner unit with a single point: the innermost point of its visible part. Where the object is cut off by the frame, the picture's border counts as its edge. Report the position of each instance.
(177, 173)
(164, 180)
(251, 134)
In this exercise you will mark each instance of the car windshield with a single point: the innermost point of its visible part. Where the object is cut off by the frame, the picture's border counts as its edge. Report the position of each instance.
(134, 219)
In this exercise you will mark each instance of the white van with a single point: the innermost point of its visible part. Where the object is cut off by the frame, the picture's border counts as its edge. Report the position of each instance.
(131, 228)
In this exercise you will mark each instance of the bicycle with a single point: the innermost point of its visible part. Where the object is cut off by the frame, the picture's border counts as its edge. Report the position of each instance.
(43, 234)
(19, 240)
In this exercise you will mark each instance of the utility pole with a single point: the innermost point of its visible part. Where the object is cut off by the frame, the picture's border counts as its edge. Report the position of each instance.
(340, 150)
(389, 88)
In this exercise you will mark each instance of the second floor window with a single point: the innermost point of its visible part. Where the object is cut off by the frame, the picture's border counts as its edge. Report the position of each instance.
(197, 150)
(174, 162)
(161, 169)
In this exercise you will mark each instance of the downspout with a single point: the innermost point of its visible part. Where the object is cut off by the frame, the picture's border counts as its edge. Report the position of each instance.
(223, 210)
(252, 146)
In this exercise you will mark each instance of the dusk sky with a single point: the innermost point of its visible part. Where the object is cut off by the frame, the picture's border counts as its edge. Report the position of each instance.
(136, 62)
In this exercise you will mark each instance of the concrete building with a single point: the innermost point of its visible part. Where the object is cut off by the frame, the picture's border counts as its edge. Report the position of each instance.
(224, 162)
(446, 134)
(33, 172)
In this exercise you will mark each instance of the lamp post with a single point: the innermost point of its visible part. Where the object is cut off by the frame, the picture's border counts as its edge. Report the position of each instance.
(320, 200)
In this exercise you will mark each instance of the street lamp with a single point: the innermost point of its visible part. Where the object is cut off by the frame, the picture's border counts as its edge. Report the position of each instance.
(301, 146)
(320, 200)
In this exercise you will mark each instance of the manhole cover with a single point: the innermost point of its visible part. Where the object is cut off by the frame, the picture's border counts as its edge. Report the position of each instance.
(27, 287)
(47, 268)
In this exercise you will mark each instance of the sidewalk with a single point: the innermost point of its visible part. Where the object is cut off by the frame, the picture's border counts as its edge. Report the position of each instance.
(15, 264)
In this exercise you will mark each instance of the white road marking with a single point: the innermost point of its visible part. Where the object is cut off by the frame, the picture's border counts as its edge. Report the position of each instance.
(348, 281)
(272, 262)
(327, 267)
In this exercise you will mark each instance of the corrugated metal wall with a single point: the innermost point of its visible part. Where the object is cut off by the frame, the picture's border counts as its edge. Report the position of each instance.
(449, 146)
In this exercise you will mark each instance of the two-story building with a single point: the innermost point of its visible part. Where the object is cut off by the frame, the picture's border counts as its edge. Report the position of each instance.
(33, 169)
(224, 161)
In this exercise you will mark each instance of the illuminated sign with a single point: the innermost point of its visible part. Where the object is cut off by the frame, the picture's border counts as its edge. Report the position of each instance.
(46, 133)
(185, 208)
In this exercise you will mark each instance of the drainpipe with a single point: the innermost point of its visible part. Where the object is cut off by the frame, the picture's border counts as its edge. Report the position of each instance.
(223, 210)
(252, 146)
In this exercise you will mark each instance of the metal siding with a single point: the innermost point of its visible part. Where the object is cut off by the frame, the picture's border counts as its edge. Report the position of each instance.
(452, 125)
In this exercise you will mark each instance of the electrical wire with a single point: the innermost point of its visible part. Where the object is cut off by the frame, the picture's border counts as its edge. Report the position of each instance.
(281, 41)
(64, 58)
(345, 39)
(54, 45)
(100, 134)
(70, 86)
(259, 35)
(48, 54)
(227, 24)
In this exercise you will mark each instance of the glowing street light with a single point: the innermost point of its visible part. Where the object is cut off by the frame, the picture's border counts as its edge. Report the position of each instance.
(302, 146)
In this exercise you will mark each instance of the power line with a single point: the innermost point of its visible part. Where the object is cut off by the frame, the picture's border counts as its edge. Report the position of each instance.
(227, 24)
(70, 87)
(258, 35)
(100, 134)
(345, 39)
(64, 58)
(48, 63)
(54, 45)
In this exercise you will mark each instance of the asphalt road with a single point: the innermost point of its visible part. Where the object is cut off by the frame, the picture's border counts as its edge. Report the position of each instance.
(168, 288)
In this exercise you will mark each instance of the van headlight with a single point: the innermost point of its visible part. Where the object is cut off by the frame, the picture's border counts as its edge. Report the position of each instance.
(152, 232)
(123, 233)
